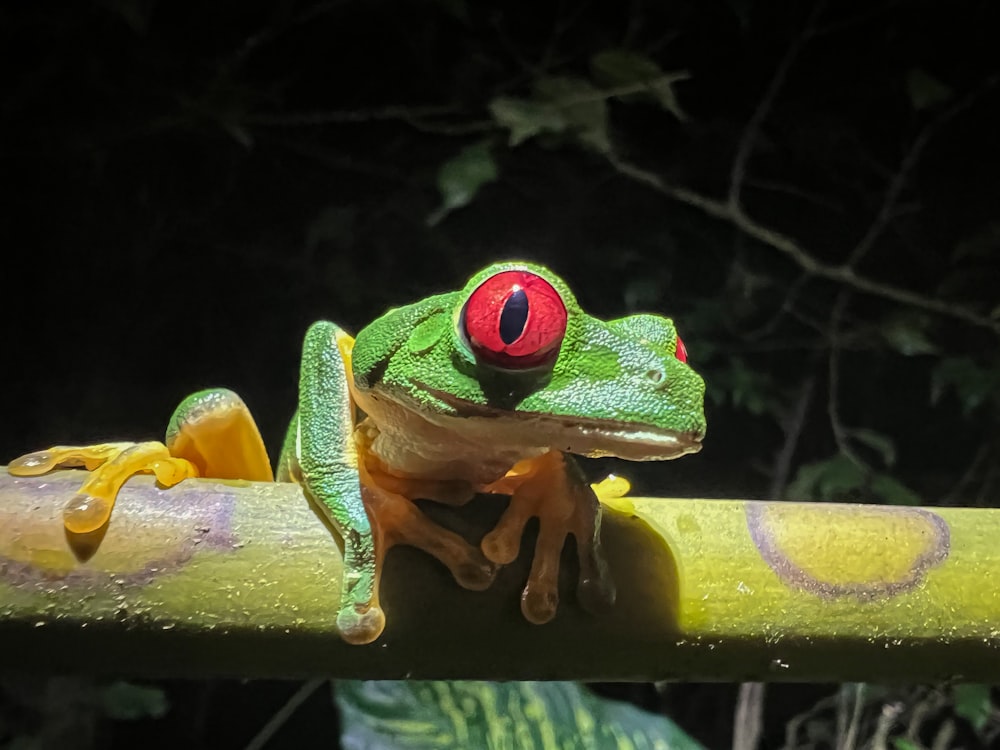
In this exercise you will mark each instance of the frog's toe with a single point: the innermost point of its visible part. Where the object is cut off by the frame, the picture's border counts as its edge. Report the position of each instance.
(539, 604)
(502, 544)
(550, 488)
(401, 522)
(540, 598)
(64, 456)
(470, 569)
(91, 508)
(85, 513)
(111, 465)
(32, 464)
(476, 574)
(361, 625)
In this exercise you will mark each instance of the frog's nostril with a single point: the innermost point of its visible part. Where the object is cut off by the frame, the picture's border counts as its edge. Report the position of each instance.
(655, 376)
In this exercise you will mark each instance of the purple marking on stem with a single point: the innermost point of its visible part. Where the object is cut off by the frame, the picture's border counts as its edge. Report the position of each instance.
(197, 520)
(791, 574)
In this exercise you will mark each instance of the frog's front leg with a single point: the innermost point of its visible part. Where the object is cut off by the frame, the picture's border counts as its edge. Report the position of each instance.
(321, 455)
(551, 488)
(211, 434)
(327, 456)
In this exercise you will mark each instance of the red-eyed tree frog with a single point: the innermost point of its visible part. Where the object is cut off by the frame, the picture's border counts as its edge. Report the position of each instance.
(481, 390)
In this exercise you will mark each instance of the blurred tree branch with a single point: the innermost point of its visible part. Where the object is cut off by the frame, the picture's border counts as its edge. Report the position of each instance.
(842, 274)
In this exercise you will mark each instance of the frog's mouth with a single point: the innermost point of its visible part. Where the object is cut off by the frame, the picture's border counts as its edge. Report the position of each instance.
(630, 441)
(582, 436)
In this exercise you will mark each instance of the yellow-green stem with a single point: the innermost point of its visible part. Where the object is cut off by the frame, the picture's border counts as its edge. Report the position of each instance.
(215, 578)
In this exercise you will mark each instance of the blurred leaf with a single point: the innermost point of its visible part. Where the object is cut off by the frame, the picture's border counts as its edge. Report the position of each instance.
(881, 444)
(839, 479)
(925, 90)
(907, 334)
(442, 715)
(581, 105)
(972, 383)
(982, 245)
(745, 388)
(457, 9)
(831, 479)
(125, 701)
(702, 319)
(615, 68)
(560, 105)
(135, 13)
(901, 743)
(972, 702)
(461, 177)
(894, 492)
(237, 132)
(525, 119)
(334, 225)
(643, 293)
(741, 9)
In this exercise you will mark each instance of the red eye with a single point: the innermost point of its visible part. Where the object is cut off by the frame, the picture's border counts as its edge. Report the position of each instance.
(515, 319)
(681, 352)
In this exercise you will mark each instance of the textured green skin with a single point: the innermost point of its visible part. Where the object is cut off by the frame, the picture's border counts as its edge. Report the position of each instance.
(621, 371)
(320, 453)
(195, 404)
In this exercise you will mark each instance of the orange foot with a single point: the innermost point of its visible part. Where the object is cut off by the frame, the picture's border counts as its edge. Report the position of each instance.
(398, 521)
(551, 488)
(111, 465)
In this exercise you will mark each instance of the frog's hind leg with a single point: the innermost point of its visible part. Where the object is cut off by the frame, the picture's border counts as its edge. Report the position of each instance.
(214, 430)
(210, 434)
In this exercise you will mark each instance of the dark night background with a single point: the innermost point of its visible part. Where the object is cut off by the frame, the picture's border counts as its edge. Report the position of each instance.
(189, 185)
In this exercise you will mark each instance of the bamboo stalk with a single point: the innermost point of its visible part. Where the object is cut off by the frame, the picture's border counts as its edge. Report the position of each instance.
(213, 578)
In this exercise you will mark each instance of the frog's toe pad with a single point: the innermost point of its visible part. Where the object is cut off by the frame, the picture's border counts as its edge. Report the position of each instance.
(475, 574)
(359, 626)
(32, 464)
(65, 456)
(502, 546)
(85, 513)
(539, 602)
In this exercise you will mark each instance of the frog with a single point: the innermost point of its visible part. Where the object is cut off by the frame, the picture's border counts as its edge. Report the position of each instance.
(493, 389)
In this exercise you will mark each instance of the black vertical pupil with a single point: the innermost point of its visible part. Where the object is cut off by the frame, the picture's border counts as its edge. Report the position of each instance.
(514, 316)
